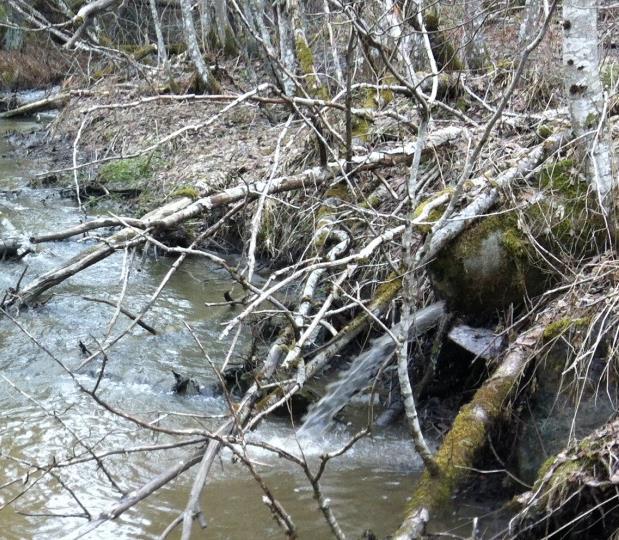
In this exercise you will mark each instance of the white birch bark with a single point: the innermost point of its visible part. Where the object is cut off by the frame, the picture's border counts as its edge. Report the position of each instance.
(476, 52)
(193, 47)
(162, 55)
(585, 94)
(286, 49)
(532, 9)
(332, 41)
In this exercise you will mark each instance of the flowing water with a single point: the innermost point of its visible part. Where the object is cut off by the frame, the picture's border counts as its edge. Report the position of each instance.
(44, 416)
(364, 369)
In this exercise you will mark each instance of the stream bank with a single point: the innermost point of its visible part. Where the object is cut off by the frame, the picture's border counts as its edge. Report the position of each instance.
(35, 391)
(344, 227)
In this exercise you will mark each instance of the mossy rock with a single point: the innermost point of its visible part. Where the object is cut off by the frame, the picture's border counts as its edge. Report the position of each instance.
(486, 268)
(566, 219)
(494, 263)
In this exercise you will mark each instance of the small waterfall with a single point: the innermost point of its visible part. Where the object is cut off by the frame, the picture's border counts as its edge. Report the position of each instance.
(364, 368)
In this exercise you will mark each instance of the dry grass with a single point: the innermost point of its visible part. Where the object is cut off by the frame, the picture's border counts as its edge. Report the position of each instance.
(31, 67)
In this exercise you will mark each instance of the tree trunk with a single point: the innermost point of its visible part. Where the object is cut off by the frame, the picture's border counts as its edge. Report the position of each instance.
(209, 82)
(162, 55)
(476, 53)
(585, 94)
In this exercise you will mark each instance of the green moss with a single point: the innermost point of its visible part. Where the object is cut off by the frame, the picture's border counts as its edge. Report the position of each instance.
(339, 190)
(187, 191)
(545, 466)
(434, 215)
(458, 453)
(445, 54)
(560, 327)
(565, 220)
(361, 125)
(544, 131)
(305, 57)
(592, 120)
(126, 171)
(176, 48)
(557, 486)
(561, 176)
(4, 18)
(139, 52)
(609, 74)
(513, 240)
(487, 267)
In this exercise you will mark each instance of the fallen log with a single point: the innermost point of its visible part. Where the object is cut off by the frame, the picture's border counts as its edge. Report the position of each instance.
(90, 256)
(469, 433)
(52, 102)
(182, 209)
(402, 154)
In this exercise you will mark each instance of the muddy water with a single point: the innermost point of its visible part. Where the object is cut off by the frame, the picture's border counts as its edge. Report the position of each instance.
(43, 415)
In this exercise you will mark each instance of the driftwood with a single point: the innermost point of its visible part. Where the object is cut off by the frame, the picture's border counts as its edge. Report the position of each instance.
(481, 342)
(52, 102)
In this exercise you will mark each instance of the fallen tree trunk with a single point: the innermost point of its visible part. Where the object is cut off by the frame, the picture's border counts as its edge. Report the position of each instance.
(52, 102)
(183, 209)
(90, 256)
(469, 434)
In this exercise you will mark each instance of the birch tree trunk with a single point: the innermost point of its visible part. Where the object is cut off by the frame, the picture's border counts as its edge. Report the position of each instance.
(191, 39)
(205, 22)
(286, 49)
(476, 53)
(585, 94)
(532, 10)
(162, 55)
(305, 57)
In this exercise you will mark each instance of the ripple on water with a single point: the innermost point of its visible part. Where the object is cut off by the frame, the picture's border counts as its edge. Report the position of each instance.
(47, 419)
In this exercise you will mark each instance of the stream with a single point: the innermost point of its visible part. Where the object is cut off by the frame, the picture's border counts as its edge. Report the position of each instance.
(43, 413)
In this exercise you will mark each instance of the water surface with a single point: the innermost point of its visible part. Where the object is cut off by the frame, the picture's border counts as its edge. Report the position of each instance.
(45, 419)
